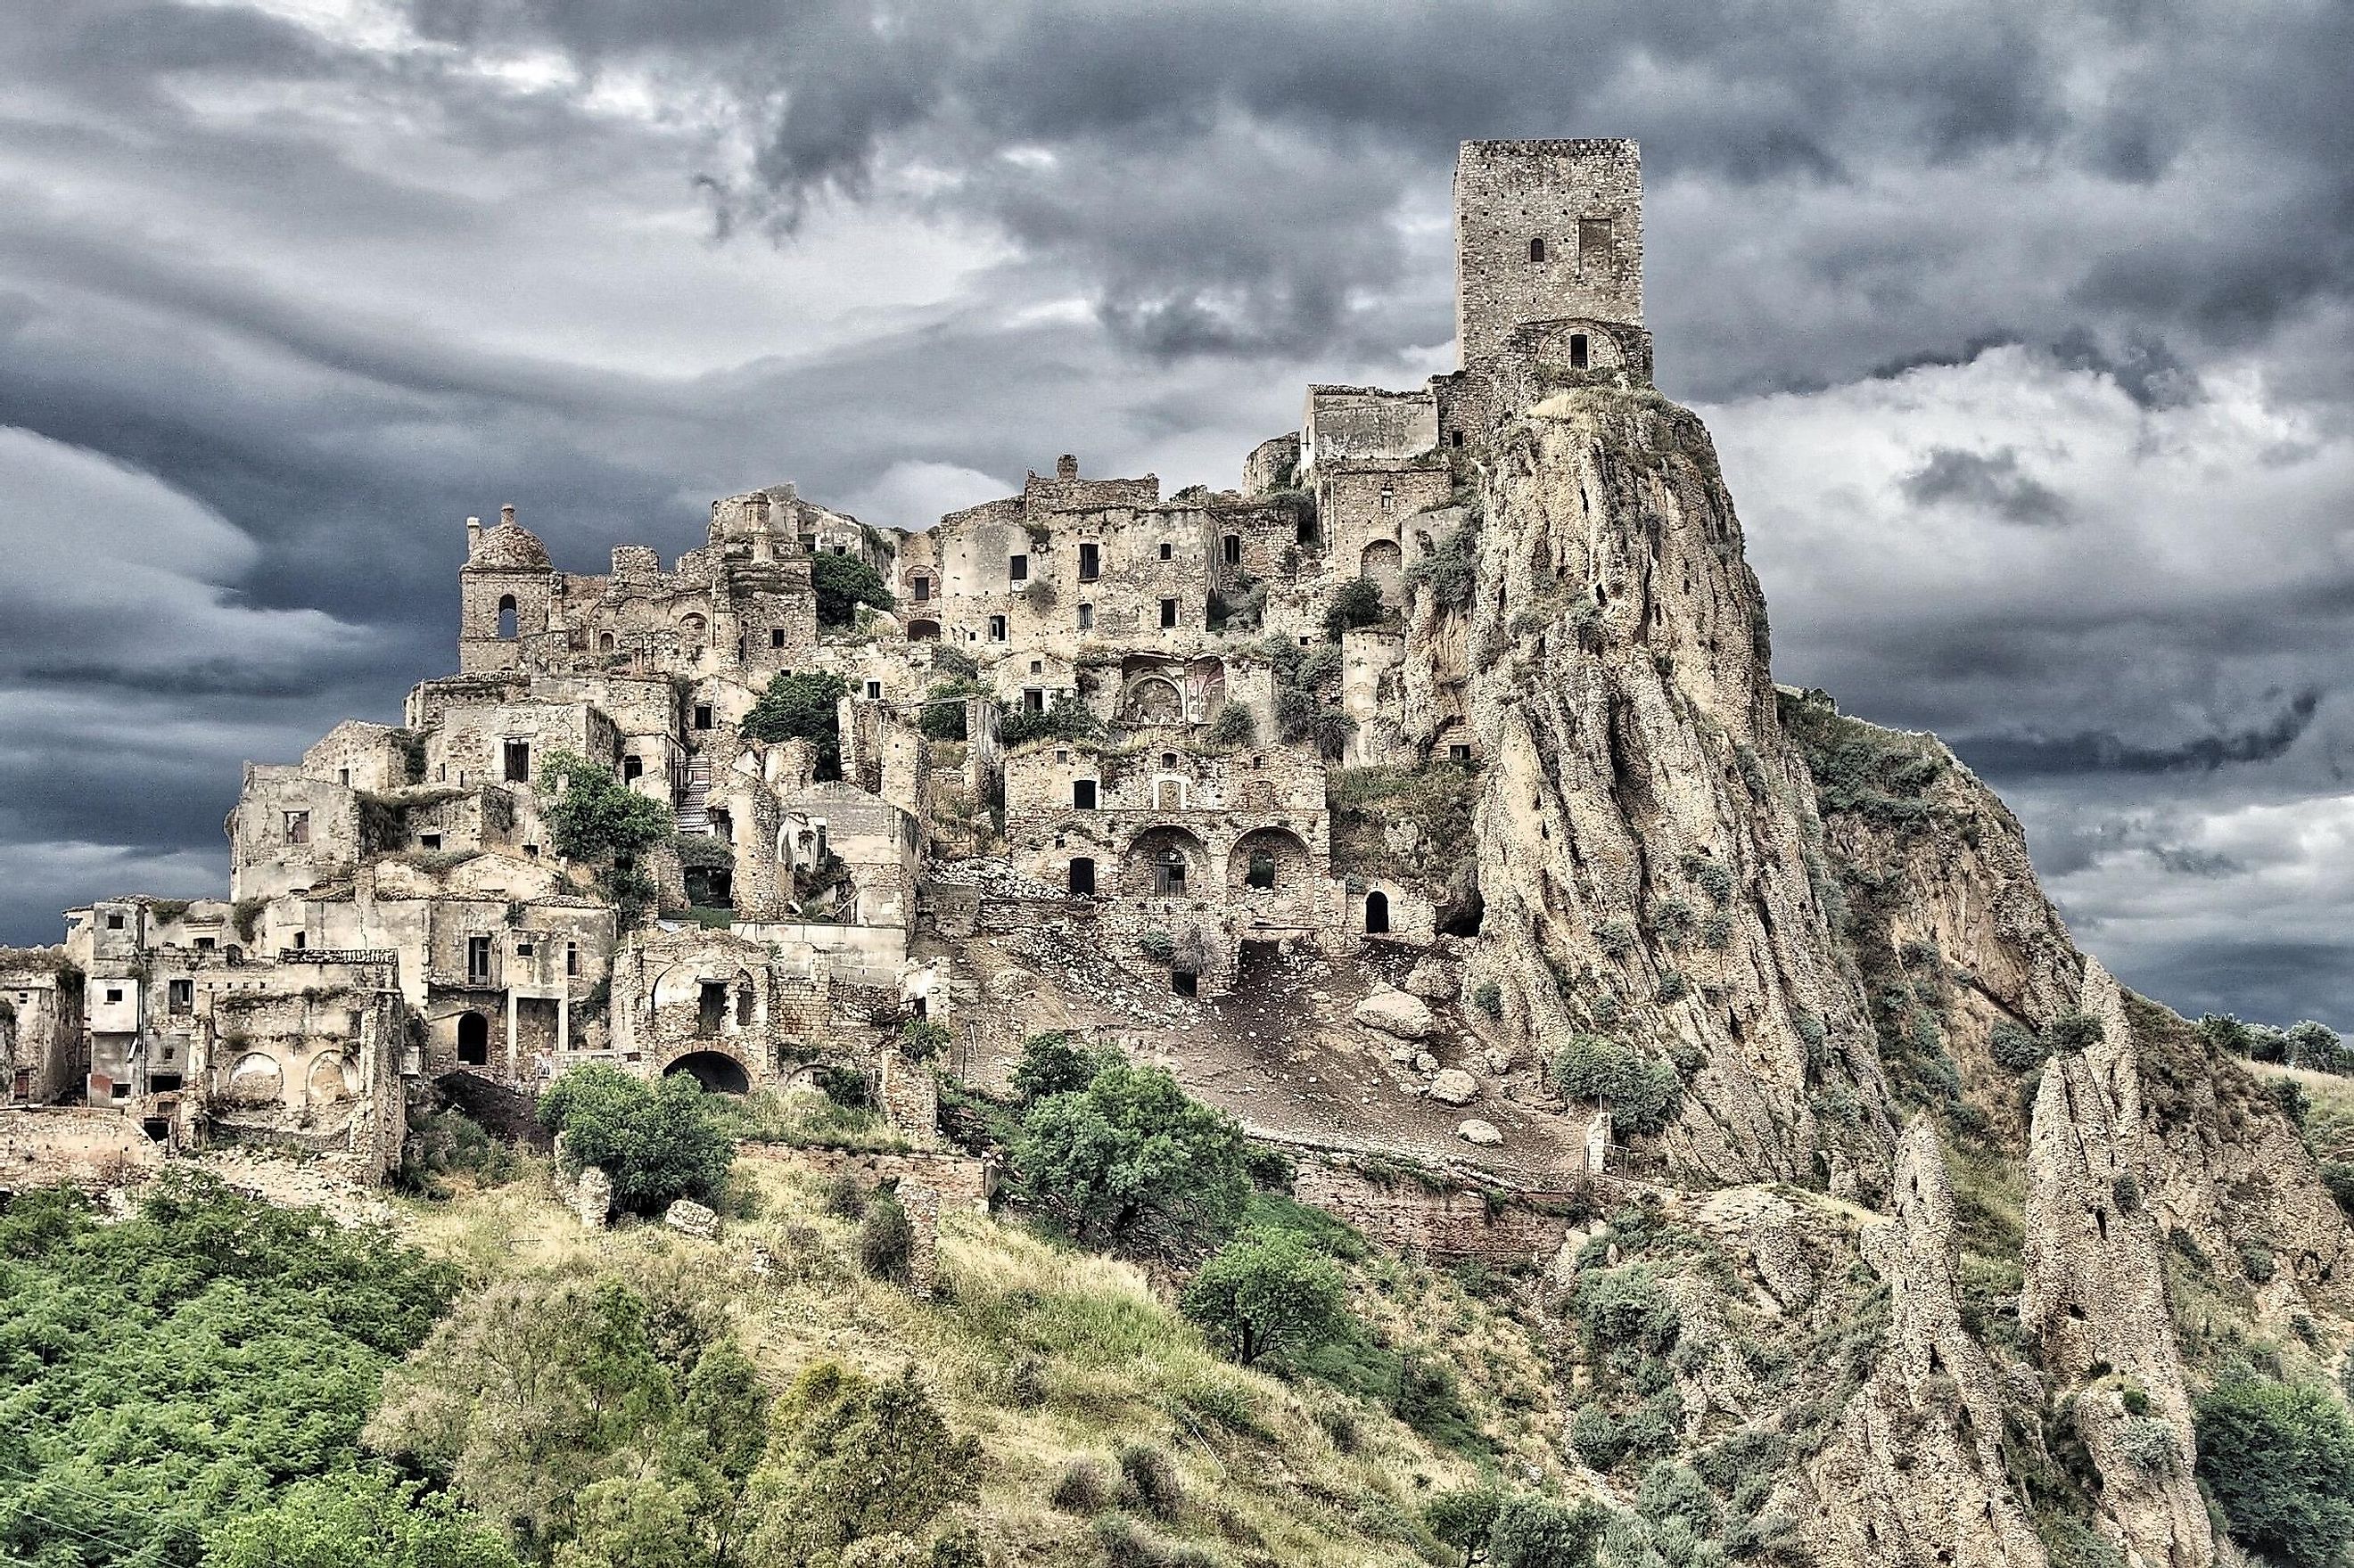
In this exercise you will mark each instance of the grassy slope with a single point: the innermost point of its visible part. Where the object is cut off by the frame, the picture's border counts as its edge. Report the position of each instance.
(1052, 1355)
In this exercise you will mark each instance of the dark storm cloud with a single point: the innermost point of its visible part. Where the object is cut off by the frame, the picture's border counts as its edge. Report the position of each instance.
(2099, 751)
(1988, 481)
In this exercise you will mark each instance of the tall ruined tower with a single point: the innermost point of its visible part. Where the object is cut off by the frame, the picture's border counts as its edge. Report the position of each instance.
(1545, 231)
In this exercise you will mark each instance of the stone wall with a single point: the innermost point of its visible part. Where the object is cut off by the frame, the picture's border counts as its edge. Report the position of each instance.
(1408, 1216)
(961, 1181)
(1508, 194)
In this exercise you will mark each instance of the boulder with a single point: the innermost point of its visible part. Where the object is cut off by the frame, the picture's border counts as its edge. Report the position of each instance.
(1455, 1087)
(1427, 979)
(1482, 1133)
(1394, 1011)
(693, 1218)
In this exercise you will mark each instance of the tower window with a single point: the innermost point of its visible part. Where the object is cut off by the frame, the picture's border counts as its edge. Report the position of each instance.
(702, 716)
(776, 636)
(1164, 549)
(1536, 250)
(1087, 617)
(1168, 612)
(1578, 355)
(1017, 569)
(506, 616)
(1083, 794)
(1090, 561)
(1456, 438)
(923, 590)
(1232, 544)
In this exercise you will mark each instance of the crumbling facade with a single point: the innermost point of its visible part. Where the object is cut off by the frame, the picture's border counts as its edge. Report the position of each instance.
(1126, 709)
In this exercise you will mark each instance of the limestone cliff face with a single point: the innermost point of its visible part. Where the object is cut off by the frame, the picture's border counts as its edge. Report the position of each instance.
(2094, 1294)
(1645, 829)
(1915, 1473)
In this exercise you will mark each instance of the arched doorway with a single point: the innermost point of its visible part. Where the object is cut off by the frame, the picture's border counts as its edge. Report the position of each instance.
(473, 1039)
(1383, 565)
(1083, 875)
(718, 1073)
(1377, 913)
(923, 632)
(506, 616)
(1267, 860)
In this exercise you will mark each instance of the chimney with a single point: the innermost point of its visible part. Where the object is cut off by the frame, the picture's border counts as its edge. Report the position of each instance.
(1066, 467)
(473, 538)
(506, 515)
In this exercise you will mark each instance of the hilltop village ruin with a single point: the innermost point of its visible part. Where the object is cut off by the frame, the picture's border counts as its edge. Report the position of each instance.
(1151, 695)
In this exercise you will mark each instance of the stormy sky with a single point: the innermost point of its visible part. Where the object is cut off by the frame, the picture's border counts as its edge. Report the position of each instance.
(2024, 331)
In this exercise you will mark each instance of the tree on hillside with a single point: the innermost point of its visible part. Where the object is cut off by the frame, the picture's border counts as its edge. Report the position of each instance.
(600, 821)
(357, 1519)
(2279, 1459)
(1129, 1155)
(1532, 1531)
(1464, 1519)
(843, 583)
(859, 1459)
(658, 1141)
(1268, 1294)
(1055, 1063)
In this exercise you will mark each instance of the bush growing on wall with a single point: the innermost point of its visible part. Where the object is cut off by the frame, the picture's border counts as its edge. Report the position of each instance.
(658, 1141)
(1642, 1091)
(842, 584)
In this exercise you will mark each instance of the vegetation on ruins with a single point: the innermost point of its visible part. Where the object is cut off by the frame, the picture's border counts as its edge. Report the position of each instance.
(600, 821)
(1449, 573)
(802, 705)
(1306, 681)
(659, 1142)
(843, 583)
(1065, 718)
(1131, 1160)
(1357, 602)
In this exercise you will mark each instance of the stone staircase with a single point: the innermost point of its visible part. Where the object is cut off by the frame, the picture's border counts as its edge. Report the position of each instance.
(693, 808)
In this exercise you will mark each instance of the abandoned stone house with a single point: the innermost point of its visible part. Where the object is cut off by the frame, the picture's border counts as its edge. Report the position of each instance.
(397, 906)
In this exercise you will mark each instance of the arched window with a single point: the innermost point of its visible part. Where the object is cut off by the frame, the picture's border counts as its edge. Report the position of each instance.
(473, 1039)
(604, 642)
(1536, 250)
(1377, 913)
(506, 616)
(692, 626)
(1083, 876)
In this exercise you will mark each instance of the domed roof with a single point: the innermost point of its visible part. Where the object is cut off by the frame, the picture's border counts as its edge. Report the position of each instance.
(510, 547)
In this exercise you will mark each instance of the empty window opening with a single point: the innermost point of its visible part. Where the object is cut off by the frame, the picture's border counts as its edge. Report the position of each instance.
(1377, 913)
(1037, 666)
(1233, 546)
(344, 777)
(711, 1008)
(1165, 550)
(1017, 569)
(506, 616)
(1593, 239)
(114, 922)
(518, 762)
(702, 716)
(301, 940)
(1185, 982)
(523, 950)
(1261, 874)
(1033, 700)
(1536, 250)
(873, 691)
(1083, 876)
(473, 1039)
(298, 832)
(1168, 612)
(743, 1007)
(776, 636)
(1087, 617)
(923, 590)
(604, 642)
(206, 943)
(723, 826)
(478, 959)
(997, 629)
(633, 766)
(1459, 753)
(1083, 794)
(1455, 439)
(1090, 561)
(1304, 533)
(180, 995)
(113, 993)
(1169, 875)
(1579, 357)
(571, 958)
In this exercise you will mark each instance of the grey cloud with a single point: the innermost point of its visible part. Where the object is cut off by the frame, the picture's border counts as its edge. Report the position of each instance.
(1989, 481)
(2100, 751)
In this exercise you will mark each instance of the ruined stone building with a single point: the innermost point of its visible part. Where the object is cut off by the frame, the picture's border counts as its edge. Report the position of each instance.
(1091, 708)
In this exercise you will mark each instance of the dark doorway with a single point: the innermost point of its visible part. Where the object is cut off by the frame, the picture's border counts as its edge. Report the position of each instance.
(1083, 876)
(1185, 982)
(473, 1039)
(1377, 913)
(719, 1075)
(711, 1007)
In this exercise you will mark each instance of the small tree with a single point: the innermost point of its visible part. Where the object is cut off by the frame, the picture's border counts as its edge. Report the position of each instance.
(1053, 1064)
(1131, 1153)
(802, 705)
(1357, 603)
(885, 1239)
(1464, 1519)
(1268, 1293)
(843, 583)
(659, 1143)
(598, 821)
(1643, 1091)
(2279, 1459)
(356, 1519)
(862, 1459)
(1533, 1532)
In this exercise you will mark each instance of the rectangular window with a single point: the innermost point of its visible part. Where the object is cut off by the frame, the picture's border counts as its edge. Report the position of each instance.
(1087, 617)
(1168, 877)
(702, 716)
(1164, 549)
(429, 841)
(776, 636)
(1017, 569)
(1593, 239)
(298, 832)
(113, 993)
(873, 691)
(923, 590)
(1459, 753)
(1083, 794)
(1034, 701)
(632, 768)
(523, 950)
(180, 995)
(207, 944)
(114, 922)
(1183, 982)
(518, 762)
(1090, 561)
(1234, 549)
(344, 777)
(997, 629)
(572, 957)
(478, 959)
(1168, 612)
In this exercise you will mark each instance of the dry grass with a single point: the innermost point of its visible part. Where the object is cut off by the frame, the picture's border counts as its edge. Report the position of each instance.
(1052, 1355)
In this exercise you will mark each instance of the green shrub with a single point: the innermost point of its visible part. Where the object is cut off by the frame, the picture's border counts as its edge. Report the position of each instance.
(1234, 726)
(447, 1143)
(1489, 998)
(1463, 1519)
(1080, 1489)
(598, 821)
(1357, 602)
(356, 1519)
(843, 583)
(2278, 1457)
(658, 1141)
(1595, 1437)
(1066, 718)
(1055, 1063)
(1642, 1091)
(885, 1239)
(1627, 1307)
(2072, 1032)
(2016, 1049)
(1449, 575)
(1129, 1157)
(802, 708)
(921, 1039)
(1148, 1483)
(944, 708)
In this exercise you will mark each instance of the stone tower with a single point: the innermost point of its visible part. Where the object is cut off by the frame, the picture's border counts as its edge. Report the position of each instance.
(1545, 231)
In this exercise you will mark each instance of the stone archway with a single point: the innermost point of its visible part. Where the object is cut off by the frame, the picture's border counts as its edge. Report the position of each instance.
(1165, 862)
(473, 1039)
(1383, 565)
(718, 1072)
(1152, 699)
(1267, 860)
